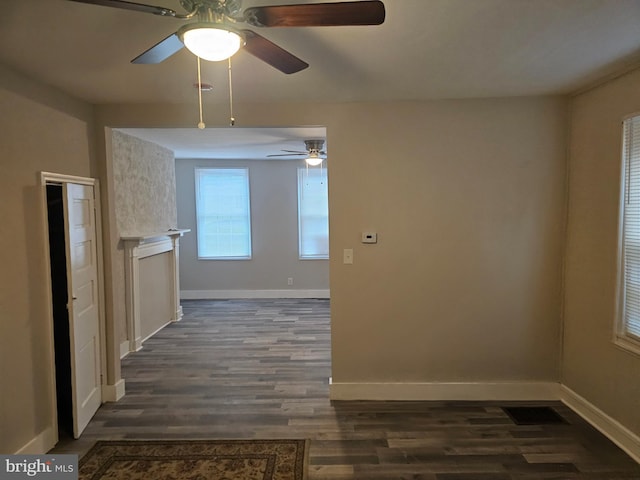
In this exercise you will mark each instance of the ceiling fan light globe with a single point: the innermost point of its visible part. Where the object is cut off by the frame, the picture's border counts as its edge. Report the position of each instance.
(211, 42)
(313, 161)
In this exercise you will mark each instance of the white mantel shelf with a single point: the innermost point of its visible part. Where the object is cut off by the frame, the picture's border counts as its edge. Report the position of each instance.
(136, 248)
(144, 238)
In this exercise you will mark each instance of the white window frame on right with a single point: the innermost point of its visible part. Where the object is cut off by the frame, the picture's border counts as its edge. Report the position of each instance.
(627, 324)
(313, 214)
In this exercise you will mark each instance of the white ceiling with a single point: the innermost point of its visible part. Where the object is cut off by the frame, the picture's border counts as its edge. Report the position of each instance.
(426, 49)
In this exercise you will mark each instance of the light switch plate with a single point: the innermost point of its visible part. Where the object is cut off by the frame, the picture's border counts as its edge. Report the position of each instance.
(347, 256)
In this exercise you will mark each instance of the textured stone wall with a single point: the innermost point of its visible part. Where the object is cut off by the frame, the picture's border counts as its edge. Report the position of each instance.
(144, 184)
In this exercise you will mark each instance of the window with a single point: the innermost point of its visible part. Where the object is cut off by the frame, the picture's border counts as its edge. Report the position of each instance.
(628, 321)
(223, 216)
(313, 213)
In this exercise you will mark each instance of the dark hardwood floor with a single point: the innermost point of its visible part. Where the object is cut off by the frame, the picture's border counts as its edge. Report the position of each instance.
(260, 368)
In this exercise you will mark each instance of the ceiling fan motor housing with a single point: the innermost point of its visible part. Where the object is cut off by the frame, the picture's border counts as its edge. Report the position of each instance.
(314, 145)
(229, 8)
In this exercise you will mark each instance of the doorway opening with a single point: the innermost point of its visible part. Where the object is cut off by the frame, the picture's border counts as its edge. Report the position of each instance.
(270, 157)
(59, 295)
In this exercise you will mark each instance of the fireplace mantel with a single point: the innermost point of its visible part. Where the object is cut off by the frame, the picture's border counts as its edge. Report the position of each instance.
(137, 247)
(154, 236)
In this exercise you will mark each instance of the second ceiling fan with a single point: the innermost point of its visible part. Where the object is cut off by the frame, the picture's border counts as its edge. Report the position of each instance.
(314, 152)
(212, 35)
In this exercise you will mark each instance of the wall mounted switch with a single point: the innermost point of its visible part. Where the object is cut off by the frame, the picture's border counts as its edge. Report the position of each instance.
(347, 256)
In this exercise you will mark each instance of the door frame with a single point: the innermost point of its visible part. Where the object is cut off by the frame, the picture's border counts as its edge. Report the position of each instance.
(49, 178)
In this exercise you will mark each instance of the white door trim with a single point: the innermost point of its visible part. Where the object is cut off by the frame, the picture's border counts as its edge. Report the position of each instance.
(47, 178)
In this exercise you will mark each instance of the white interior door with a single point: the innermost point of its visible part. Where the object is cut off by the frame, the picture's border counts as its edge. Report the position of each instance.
(84, 326)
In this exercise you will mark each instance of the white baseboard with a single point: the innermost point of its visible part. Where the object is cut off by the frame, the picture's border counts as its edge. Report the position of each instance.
(445, 391)
(152, 334)
(125, 347)
(496, 391)
(113, 393)
(611, 428)
(40, 444)
(226, 294)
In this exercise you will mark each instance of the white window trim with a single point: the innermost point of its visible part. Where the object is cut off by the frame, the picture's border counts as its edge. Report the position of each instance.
(197, 186)
(621, 338)
(300, 256)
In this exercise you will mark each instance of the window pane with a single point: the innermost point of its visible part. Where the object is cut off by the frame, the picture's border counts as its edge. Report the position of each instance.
(222, 213)
(313, 213)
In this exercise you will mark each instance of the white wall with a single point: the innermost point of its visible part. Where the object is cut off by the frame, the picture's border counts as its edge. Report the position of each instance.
(274, 225)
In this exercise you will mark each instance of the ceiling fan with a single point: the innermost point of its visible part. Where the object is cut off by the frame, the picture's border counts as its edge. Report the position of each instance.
(215, 20)
(314, 153)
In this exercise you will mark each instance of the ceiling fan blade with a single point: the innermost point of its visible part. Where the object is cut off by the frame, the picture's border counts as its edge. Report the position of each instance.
(287, 155)
(269, 52)
(160, 51)
(138, 7)
(370, 12)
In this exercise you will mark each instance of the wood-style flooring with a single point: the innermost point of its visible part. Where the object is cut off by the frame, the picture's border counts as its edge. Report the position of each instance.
(260, 369)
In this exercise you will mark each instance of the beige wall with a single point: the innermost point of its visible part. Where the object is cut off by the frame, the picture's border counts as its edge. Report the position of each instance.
(467, 198)
(593, 366)
(143, 201)
(274, 224)
(41, 129)
(464, 284)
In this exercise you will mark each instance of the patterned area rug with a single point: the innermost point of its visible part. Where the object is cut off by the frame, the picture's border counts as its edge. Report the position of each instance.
(195, 459)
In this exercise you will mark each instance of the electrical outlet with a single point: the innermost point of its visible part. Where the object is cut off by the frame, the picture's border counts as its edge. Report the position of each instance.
(290, 281)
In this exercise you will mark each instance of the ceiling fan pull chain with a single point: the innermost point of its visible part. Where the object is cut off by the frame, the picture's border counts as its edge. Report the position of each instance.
(232, 120)
(201, 124)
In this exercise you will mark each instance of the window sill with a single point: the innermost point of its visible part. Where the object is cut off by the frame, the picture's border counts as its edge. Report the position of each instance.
(628, 345)
(207, 259)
